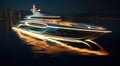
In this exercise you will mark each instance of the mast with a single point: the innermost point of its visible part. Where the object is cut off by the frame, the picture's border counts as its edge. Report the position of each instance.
(34, 10)
(34, 6)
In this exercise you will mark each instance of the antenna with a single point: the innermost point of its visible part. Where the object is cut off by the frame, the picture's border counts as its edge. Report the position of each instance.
(34, 1)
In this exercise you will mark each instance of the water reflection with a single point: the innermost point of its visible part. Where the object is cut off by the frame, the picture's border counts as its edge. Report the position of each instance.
(56, 47)
(9, 18)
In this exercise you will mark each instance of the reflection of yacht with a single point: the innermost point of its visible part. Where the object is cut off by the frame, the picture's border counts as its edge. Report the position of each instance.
(53, 26)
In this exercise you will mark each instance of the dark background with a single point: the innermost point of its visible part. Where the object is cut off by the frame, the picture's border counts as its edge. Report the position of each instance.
(15, 53)
(65, 6)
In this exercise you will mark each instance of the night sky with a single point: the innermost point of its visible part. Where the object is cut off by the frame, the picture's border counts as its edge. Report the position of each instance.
(64, 6)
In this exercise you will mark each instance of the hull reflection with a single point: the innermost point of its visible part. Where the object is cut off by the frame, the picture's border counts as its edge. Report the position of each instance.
(41, 46)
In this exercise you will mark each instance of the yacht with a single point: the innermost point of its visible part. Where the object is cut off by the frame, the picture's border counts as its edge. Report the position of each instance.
(40, 26)
(76, 31)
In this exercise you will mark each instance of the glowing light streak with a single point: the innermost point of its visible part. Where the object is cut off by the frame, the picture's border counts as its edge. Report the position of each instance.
(84, 51)
(98, 29)
(47, 37)
(79, 29)
(44, 25)
(87, 29)
(94, 43)
(78, 49)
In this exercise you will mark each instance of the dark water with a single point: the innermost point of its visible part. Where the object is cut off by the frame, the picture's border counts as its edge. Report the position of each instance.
(13, 52)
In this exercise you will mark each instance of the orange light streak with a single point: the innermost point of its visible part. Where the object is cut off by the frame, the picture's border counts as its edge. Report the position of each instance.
(52, 49)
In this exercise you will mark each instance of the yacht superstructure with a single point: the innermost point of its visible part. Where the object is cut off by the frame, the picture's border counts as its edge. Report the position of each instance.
(37, 15)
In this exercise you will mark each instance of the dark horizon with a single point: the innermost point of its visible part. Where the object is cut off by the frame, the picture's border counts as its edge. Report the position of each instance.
(63, 7)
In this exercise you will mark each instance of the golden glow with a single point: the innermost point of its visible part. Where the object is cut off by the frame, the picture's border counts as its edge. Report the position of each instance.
(67, 24)
(94, 43)
(47, 37)
(40, 25)
(29, 17)
(41, 46)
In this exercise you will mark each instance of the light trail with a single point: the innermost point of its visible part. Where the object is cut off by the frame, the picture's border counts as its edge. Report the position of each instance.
(47, 37)
(85, 51)
(98, 29)
(79, 49)
(80, 29)
(94, 43)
